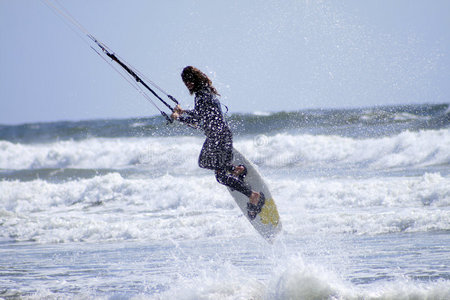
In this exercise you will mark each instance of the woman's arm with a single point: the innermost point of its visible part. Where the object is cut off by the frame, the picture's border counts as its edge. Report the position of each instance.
(192, 117)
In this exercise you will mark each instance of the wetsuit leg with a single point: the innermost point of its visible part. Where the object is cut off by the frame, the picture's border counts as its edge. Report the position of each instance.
(217, 154)
(225, 178)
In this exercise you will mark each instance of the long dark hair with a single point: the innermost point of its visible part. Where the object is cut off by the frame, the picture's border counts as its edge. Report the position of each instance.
(198, 79)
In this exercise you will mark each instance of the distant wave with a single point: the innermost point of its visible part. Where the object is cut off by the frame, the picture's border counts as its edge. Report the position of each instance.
(407, 149)
(361, 123)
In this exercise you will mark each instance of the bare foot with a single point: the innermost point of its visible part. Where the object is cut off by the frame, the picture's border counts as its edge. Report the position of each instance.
(254, 198)
(238, 170)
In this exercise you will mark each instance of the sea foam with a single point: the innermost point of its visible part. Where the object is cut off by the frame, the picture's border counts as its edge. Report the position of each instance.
(407, 149)
(111, 207)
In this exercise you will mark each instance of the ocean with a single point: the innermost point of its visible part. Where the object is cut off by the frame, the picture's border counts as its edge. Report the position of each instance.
(119, 209)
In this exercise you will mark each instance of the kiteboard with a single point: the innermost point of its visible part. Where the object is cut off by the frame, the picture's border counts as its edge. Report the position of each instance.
(267, 222)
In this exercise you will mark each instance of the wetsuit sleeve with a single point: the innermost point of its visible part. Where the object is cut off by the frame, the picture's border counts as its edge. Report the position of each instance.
(191, 117)
(196, 115)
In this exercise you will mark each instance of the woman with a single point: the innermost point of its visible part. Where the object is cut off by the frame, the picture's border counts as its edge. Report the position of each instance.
(217, 151)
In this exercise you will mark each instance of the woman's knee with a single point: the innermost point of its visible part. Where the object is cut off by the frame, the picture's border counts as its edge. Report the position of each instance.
(221, 176)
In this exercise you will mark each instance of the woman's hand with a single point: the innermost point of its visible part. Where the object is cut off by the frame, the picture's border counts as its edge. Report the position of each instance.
(177, 112)
(178, 109)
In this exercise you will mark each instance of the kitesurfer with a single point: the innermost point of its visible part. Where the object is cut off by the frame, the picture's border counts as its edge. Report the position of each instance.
(216, 153)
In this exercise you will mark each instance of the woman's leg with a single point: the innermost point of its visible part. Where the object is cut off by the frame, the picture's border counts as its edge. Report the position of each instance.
(224, 177)
(217, 154)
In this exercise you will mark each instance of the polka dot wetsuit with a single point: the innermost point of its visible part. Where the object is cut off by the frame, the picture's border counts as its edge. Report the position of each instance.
(217, 151)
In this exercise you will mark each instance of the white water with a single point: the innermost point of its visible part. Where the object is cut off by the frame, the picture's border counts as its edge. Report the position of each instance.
(194, 207)
(372, 224)
(407, 149)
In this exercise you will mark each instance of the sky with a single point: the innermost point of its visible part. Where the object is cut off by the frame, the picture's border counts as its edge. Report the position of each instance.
(262, 56)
